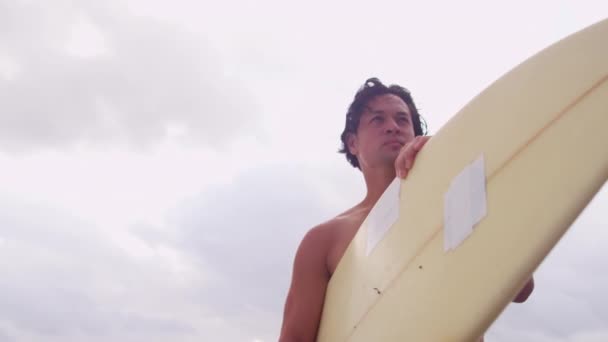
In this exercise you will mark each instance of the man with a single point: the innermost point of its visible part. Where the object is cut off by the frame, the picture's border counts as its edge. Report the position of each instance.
(382, 135)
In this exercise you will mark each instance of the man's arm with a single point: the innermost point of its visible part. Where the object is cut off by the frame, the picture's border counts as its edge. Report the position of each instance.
(525, 292)
(304, 304)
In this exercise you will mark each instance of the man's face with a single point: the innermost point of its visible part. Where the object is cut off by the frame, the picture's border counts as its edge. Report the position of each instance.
(385, 126)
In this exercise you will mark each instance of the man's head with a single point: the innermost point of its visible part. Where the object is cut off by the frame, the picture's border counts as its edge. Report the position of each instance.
(379, 121)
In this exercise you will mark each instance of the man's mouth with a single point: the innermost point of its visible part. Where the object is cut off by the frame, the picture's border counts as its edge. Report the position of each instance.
(394, 142)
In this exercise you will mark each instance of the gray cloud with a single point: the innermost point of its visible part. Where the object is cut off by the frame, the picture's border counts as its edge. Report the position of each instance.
(247, 232)
(59, 311)
(569, 302)
(4, 337)
(70, 280)
(65, 278)
(151, 76)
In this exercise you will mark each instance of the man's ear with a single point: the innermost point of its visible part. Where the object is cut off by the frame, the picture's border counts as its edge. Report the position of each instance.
(352, 143)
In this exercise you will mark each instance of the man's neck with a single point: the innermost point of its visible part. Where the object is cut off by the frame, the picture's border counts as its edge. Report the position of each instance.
(377, 180)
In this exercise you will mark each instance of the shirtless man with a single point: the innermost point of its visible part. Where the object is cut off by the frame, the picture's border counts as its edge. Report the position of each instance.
(382, 135)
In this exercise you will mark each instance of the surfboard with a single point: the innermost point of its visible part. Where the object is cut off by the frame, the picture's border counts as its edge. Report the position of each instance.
(490, 195)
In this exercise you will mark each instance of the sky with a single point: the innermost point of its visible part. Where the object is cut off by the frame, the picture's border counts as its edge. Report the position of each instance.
(160, 161)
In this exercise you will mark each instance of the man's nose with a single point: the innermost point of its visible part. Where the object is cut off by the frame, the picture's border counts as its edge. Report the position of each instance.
(391, 126)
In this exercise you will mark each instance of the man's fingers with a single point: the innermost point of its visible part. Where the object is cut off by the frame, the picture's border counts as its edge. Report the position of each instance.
(409, 160)
(405, 160)
(420, 141)
(410, 152)
(400, 163)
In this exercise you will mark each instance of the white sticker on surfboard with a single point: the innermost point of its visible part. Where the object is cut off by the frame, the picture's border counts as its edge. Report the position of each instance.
(464, 204)
(383, 215)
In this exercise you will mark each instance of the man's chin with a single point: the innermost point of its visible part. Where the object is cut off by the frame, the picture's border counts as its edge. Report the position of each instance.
(389, 159)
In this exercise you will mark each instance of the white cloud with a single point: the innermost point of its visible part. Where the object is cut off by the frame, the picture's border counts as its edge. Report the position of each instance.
(91, 74)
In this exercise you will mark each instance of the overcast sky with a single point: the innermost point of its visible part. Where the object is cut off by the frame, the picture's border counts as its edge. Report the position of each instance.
(160, 161)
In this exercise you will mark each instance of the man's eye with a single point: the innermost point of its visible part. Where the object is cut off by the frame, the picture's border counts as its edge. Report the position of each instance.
(377, 118)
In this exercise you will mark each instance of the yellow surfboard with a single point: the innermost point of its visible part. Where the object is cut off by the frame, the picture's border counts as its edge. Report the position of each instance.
(448, 248)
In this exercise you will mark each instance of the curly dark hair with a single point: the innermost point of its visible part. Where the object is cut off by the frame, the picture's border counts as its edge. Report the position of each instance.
(369, 90)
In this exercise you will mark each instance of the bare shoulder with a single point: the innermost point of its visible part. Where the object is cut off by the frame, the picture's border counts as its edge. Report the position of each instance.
(324, 236)
(327, 231)
(319, 239)
(322, 232)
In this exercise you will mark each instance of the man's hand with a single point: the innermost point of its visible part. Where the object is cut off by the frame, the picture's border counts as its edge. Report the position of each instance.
(525, 292)
(405, 160)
